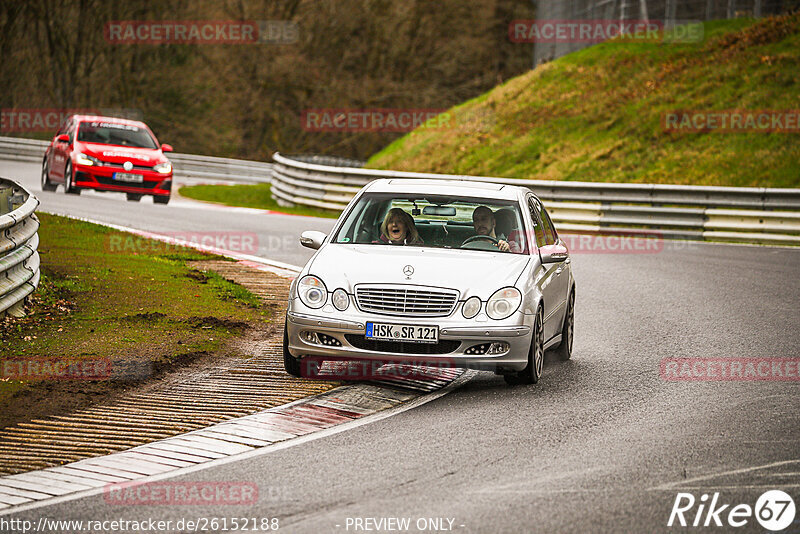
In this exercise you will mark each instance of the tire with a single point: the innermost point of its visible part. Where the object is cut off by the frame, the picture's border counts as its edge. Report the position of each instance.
(68, 187)
(161, 199)
(533, 372)
(564, 350)
(47, 185)
(290, 363)
(133, 197)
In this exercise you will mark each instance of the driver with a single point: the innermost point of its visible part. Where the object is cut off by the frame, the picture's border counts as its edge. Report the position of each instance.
(484, 223)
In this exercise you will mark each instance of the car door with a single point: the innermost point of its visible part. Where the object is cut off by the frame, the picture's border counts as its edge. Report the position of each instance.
(547, 283)
(61, 151)
(560, 283)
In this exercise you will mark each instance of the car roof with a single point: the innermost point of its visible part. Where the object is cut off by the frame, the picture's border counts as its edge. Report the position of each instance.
(101, 118)
(466, 188)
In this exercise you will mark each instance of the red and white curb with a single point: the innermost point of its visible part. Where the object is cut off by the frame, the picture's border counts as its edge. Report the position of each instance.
(277, 428)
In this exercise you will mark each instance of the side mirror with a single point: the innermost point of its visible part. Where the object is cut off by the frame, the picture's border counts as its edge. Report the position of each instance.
(166, 148)
(553, 253)
(312, 239)
(63, 138)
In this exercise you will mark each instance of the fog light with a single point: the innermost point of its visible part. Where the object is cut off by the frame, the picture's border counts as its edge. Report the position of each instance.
(490, 349)
(477, 349)
(330, 341)
(498, 347)
(309, 337)
(318, 338)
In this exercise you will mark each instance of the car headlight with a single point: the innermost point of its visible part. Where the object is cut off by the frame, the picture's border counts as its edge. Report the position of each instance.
(312, 291)
(163, 168)
(503, 303)
(340, 299)
(471, 307)
(85, 159)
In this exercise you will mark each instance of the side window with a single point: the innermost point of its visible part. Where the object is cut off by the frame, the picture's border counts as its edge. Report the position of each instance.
(71, 131)
(537, 221)
(550, 235)
(63, 128)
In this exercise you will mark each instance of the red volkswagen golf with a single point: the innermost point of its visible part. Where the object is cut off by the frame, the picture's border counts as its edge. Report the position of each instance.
(107, 154)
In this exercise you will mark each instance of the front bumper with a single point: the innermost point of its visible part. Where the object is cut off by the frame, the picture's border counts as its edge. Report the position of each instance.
(102, 179)
(456, 337)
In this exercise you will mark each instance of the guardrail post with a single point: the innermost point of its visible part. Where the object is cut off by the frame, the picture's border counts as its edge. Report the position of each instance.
(5, 200)
(17, 310)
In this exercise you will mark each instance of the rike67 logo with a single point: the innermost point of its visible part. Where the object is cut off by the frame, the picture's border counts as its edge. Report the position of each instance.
(774, 511)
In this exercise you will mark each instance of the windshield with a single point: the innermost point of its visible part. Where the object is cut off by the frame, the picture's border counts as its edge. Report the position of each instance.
(435, 221)
(112, 133)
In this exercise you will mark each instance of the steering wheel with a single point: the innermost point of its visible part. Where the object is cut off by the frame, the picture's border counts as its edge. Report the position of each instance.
(476, 237)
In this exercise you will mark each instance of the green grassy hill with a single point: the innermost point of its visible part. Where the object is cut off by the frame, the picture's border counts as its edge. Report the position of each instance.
(596, 115)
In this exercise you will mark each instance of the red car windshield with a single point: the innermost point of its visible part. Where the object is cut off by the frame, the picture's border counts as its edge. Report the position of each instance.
(112, 133)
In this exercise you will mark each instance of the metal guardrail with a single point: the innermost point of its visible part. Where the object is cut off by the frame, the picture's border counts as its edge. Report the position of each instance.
(744, 214)
(739, 214)
(19, 260)
(185, 165)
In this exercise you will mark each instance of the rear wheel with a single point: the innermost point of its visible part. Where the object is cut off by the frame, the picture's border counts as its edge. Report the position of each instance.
(290, 363)
(68, 187)
(47, 185)
(533, 372)
(564, 351)
(133, 197)
(161, 199)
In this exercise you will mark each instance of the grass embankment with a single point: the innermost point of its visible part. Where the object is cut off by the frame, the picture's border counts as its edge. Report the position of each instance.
(247, 196)
(596, 114)
(110, 296)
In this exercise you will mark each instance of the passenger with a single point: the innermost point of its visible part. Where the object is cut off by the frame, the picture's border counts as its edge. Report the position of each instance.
(398, 228)
(484, 222)
(506, 219)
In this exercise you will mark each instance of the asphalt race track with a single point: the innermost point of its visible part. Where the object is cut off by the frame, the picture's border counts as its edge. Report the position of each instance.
(602, 444)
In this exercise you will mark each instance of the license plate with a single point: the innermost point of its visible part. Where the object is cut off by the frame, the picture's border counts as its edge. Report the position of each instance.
(125, 177)
(403, 332)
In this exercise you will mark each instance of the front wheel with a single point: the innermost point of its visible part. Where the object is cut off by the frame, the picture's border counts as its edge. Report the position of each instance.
(161, 199)
(47, 185)
(68, 187)
(564, 350)
(290, 363)
(533, 372)
(133, 197)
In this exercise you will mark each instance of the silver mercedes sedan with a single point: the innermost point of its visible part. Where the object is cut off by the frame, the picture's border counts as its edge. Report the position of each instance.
(435, 272)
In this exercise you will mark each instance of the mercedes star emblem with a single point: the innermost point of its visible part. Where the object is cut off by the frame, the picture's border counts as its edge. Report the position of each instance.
(408, 270)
